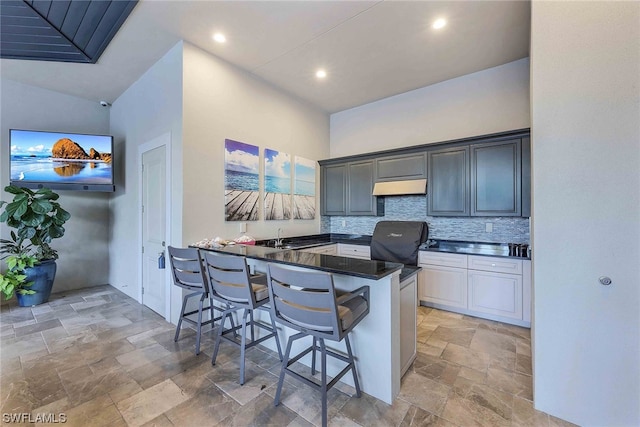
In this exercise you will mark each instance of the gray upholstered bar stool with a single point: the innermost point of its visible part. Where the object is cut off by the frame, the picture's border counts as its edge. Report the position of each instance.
(231, 284)
(306, 301)
(187, 273)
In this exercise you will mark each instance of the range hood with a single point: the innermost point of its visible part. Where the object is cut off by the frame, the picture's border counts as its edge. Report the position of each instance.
(400, 188)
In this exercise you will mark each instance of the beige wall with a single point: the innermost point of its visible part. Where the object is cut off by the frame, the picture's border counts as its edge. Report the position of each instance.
(585, 96)
(83, 250)
(222, 101)
(151, 107)
(200, 100)
(485, 102)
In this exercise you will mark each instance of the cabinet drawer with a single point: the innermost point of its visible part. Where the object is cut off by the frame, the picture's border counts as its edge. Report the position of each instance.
(325, 249)
(354, 251)
(496, 265)
(443, 259)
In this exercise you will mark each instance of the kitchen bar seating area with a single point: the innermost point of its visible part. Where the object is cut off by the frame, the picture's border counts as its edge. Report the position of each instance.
(433, 153)
(103, 359)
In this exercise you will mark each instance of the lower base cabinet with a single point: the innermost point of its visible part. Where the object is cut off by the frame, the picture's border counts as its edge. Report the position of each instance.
(408, 320)
(325, 249)
(354, 251)
(489, 287)
(444, 285)
(498, 294)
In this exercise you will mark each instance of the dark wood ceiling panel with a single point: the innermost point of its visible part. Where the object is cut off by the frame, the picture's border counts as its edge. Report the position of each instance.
(114, 17)
(15, 8)
(44, 56)
(74, 17)
(68, 31)
(92, 18)
(16, 30)
(40, 47)
(41, 6)
(57, 12)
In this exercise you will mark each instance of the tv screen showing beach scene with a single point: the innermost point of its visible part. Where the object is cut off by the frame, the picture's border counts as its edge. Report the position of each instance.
(54, 158)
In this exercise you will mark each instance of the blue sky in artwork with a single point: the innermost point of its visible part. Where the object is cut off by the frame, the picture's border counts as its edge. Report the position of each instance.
(277, 164)
(241, 157)
(305, 169)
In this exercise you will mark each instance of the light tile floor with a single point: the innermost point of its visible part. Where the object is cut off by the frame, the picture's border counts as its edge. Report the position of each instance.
(100, 358)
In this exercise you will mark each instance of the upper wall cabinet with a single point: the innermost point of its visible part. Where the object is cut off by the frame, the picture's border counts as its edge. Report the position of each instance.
(526, 176)
(347, 189)
(487, 175)
(483, 179)
(495, 179)
(333, 180)
(401, 167)
(448, 182)
(360, 200)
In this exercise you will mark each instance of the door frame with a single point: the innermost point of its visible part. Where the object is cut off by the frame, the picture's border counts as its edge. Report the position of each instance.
(157, 142)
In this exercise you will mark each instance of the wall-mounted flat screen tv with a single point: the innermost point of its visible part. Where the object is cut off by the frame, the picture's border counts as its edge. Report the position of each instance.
(61, 161)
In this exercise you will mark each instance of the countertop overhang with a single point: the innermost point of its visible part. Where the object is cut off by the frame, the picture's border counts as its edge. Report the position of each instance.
(373, 270)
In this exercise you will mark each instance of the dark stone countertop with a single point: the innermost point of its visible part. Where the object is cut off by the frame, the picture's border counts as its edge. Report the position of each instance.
(450, 246)
(366, 269)
(470, 248)
(309, 241)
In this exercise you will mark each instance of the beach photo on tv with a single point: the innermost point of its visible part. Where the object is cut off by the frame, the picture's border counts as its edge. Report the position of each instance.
(60, 158)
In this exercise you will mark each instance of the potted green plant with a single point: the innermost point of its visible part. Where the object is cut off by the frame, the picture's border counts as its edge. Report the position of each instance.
(37, 218)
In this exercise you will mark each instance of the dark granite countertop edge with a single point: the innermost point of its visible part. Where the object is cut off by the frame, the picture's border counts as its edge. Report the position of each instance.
(450, 246)
(388, 272)
(301, 242)
(267, 254)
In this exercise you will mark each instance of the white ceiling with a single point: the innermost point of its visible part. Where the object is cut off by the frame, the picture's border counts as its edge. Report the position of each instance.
(371, 50)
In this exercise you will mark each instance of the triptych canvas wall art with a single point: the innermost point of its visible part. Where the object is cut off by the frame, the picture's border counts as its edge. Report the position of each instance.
(279, 202)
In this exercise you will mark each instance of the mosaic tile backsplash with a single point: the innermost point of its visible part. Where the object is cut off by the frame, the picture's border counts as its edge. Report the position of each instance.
(414, 208)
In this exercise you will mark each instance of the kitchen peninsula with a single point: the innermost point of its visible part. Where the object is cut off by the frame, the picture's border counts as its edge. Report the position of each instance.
(376, 341)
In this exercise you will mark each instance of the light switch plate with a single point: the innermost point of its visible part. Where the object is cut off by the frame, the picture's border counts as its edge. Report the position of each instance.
(489, 227)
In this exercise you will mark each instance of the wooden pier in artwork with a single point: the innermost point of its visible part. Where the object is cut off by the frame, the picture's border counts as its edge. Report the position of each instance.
(243, 205)
(304, 207)
(277, 206)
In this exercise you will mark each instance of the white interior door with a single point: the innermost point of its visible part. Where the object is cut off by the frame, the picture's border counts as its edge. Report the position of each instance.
(153, 228)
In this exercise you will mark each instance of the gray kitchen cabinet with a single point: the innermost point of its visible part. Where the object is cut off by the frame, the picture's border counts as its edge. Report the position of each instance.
(360, 200)
(526, 177)
(448, 183)
(347, 189)
(401, 167)
(479, 176)
(408, 323)
(495, 179)
(334, 189)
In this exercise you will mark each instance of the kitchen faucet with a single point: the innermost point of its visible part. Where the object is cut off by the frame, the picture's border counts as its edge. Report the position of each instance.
(279, 239)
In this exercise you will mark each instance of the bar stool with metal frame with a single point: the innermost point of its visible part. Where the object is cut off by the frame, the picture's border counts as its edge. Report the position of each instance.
(307, 301)
(231, 284)
(187, 273)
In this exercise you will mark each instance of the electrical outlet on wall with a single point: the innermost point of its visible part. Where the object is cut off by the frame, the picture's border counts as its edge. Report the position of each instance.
(243, 227)
(488, 227)
(344, 222)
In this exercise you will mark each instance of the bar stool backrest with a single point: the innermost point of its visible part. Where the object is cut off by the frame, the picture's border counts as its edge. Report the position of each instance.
(187, 269)
(229, 279)
(304, 301)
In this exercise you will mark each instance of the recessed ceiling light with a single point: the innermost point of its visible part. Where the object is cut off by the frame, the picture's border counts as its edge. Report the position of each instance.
(321, 74)
(439, 23)
(219, 37)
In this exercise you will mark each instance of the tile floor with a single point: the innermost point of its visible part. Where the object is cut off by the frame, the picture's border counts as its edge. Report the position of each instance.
(100, 358)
